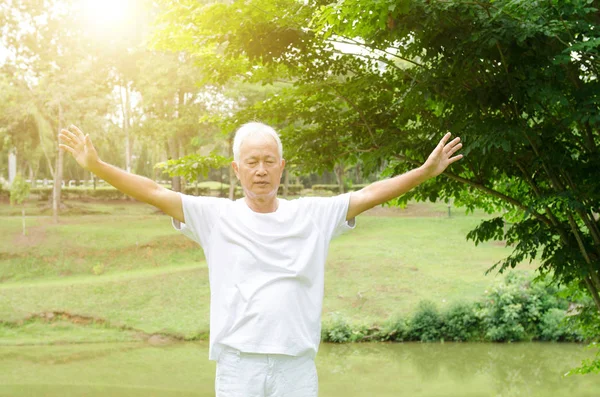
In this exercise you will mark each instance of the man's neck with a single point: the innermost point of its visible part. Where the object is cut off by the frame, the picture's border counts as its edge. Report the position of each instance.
(262, 205)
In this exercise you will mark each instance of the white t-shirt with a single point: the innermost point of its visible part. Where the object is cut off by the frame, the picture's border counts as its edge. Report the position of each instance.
(266, 270)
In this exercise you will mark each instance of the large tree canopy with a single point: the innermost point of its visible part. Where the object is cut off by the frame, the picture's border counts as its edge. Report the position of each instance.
(381, 81)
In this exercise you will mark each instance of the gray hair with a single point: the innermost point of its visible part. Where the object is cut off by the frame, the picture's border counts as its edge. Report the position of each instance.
(250, 129)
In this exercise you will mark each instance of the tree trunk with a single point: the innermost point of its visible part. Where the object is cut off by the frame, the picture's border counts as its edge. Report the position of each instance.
(339, 175)
(232, 183)
(232, 178)
(48, 161)
(58, 174)
(32, 176)
(23, 217)
(125, 125)
(286, 183)
(181, 153)
(172, 147)
(12, 165)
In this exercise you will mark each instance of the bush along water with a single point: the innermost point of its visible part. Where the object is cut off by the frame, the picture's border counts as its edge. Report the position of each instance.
(517, 309)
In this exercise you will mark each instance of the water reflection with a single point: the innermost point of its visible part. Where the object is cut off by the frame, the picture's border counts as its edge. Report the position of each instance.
(410, 369)
(527, 369)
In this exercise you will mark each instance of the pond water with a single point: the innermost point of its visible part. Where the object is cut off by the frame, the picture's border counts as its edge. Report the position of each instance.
(408, 369)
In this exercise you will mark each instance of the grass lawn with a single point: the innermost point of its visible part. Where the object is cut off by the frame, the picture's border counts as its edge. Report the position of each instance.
(123, 263)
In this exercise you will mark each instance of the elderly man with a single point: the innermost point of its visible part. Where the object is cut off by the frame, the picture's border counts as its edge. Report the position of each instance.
(265, 256)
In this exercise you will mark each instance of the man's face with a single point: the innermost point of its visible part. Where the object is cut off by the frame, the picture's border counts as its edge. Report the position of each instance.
(260, 167)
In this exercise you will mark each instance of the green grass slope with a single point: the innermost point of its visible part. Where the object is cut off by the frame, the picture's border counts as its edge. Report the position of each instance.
(128, 267)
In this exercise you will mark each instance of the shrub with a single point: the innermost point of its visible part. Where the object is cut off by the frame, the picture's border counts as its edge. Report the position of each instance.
(357, 186)
(426, 324)
(461, 323)
(586, 324)
(327, 187)
(503, 313)
(293, 189)
(394, 329)
(515, 309)
(553, 327)
(4, 190)
(339, 331)
(101, 192)
(200, 191)
(360, 333)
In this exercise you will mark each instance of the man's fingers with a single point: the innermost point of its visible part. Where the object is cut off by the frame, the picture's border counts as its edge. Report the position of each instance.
(77, 131)
(452, 146)
(454, 149)
(445, 138)
(455, 158)
(453, 142)
(71, 136)
(67, 148)
(65, 140)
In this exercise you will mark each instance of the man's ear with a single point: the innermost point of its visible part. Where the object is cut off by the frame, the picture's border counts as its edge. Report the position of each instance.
(234, 165)
(282, 169)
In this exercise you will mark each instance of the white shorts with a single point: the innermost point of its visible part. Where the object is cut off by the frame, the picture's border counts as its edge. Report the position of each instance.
(265, 375)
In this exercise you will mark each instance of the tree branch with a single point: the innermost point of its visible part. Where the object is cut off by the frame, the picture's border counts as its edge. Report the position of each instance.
(357, 110)
(356, 42)
(376, 59)
(593, 291)
(487, 190)
(587, 220)
(563, 234)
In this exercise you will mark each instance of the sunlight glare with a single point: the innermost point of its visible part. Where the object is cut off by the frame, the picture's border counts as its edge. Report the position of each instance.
(106, 16)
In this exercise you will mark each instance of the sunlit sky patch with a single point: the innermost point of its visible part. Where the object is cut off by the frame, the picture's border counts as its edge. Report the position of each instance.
(107, 17)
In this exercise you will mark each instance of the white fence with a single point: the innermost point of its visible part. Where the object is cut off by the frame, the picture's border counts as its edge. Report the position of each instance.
(81, 182)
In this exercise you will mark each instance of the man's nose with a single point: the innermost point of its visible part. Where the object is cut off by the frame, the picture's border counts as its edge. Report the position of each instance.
(261, 170)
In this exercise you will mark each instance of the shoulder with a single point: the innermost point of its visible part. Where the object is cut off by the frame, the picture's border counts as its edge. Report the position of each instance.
(330, 200)
(205, 199)
(191, 201)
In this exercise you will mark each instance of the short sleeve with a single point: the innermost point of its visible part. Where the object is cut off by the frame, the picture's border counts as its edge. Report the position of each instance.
(329, 213)
(200, 214)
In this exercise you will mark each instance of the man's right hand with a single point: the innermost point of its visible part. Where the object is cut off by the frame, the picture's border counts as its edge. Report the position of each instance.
(80, 146)
(137, 186)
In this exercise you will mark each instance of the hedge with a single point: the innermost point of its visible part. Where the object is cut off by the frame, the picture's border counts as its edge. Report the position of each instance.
(110, 193)
(515, 310)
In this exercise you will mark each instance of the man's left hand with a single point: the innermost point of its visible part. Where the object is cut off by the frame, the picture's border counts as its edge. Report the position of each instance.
(441, 157)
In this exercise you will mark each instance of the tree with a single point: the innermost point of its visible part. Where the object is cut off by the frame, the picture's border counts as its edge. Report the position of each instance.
(55, 76)
(19, 191)
(517, 80)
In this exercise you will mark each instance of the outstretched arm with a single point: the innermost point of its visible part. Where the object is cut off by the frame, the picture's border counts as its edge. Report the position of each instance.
(136, 186)
(382, 191)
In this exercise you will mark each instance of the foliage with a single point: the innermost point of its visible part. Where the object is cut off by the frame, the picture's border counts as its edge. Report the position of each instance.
(395, 329)
(512, 310)
(461, 323)
(327, 187)
(192, 166)
(426, 323)
(588, 366)
(517, 80)
(338, 331)
(552, 327)
(518, 309)
(19, 190)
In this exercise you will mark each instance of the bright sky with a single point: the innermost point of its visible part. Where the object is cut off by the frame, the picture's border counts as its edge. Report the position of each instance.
(108, 17)
(3, 53)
